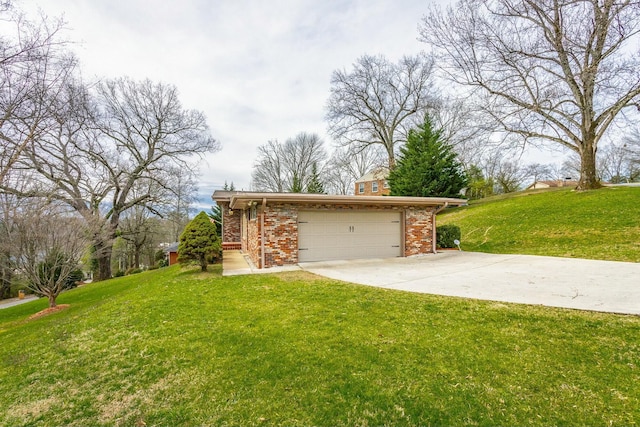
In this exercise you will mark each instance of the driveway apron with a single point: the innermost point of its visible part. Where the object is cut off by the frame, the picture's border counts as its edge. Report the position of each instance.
(606, 286)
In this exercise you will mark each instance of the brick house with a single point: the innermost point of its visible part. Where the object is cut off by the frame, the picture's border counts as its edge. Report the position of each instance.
(373, 184)
(277, 229)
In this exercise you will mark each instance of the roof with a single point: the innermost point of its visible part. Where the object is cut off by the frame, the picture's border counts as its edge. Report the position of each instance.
(241, 199)
(556, 183)
(374, 175)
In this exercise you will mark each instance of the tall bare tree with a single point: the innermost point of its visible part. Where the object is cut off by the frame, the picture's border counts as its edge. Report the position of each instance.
(551, 70)
(33, 67)
(378, 101)
(113, 151)
(289, 166)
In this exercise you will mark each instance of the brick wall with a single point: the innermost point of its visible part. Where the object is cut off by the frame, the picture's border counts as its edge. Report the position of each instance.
(230, 223)
(418, 231)
(281, 231)
(368, 188)
(252, 244)
(281, 235)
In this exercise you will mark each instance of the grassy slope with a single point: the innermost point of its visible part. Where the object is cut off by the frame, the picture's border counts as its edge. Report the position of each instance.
(603, 224)
(174, 347)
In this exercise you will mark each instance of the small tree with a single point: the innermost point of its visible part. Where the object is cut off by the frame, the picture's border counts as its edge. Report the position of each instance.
(198, 241)
(48, 245)
(427, 166)
(315, 184)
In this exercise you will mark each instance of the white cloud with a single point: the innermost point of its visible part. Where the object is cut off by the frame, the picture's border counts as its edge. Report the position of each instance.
(259, 70)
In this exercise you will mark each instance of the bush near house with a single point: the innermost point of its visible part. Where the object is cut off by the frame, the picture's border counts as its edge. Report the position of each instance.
(446, 236)
(199, 242)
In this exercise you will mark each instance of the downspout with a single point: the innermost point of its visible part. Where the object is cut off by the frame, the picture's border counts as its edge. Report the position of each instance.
(264, 205)
(433, 225)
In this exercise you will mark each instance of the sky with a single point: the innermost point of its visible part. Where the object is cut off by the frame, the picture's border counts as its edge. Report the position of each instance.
(259, 70)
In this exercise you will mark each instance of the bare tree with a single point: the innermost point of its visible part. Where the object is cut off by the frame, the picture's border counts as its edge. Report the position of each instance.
(550, 70)
(180, 198)
(462, 127)
(378, 102)
(33, 68)
(48, 244)
(288, 166)
(538, 171)
(268, 170)
(617, 164)
(114, 151)
(345, 167)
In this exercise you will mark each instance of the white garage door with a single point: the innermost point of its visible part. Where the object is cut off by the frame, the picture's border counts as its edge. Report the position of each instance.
(329, 235)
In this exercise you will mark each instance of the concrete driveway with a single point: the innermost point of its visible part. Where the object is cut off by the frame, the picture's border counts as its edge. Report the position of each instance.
(556, 282)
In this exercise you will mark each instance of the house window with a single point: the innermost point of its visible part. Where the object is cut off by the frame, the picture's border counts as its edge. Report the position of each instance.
(385, 184)
(361, 188)
(374, 187)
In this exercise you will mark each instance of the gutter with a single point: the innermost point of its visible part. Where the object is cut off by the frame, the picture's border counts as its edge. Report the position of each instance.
(433, 222)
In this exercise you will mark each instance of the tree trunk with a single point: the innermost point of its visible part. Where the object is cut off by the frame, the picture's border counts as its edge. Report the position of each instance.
(52, 300)
(588, 176)
(203, 263)
(103, 256)
(5, 282)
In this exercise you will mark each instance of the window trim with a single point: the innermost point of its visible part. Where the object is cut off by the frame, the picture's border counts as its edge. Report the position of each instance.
(374, 186)
(360, 187)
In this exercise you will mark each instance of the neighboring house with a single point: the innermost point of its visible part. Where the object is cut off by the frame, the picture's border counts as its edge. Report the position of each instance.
(172, 253)
(276, 229)
(553, 184)
(373, 184)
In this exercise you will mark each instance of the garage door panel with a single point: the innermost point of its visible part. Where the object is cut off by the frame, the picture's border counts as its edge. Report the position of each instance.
(327, 235)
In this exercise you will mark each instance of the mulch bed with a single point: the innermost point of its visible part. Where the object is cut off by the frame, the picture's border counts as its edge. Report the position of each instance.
(48, 311)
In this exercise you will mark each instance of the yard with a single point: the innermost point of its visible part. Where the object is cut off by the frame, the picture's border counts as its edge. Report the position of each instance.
(179, 347)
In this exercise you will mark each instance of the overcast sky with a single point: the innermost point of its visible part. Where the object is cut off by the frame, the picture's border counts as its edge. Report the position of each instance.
(259, 70)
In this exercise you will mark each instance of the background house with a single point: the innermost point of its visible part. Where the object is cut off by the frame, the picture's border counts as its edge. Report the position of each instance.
(553, 184)
(373, 184)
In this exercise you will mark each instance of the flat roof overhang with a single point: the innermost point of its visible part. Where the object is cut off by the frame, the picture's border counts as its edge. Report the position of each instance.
(242, 200)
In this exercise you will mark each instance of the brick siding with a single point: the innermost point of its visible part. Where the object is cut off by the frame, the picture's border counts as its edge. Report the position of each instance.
(368, 188)
(418, 231)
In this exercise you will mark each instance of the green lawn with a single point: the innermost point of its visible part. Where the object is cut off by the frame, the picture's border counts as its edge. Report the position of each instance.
(602, 224)
(173, 347)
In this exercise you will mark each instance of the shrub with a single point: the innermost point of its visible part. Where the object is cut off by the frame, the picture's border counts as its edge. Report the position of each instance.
(74, 277)
(133, 270)
(446, 234)
(199, 241)
(118, 273)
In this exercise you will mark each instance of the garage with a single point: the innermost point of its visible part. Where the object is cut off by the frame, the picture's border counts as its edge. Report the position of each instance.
(280, 229)
(331, 235)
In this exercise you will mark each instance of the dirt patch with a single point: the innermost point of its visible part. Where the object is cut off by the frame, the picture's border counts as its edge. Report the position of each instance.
(48, 311)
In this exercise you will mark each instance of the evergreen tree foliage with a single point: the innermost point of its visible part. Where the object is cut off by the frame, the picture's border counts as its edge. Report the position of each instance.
(315, 184)
(427, 167)
(216, 216)
(198, 241)
(296, 184)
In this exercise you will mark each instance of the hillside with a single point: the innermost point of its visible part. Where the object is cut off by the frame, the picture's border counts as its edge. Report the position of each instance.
(176, 347)
(602, 224)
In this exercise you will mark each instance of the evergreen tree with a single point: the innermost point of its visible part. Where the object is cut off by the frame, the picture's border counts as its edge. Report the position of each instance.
(315, 185)
(296, 184)
(427, 167)
(199, 241)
